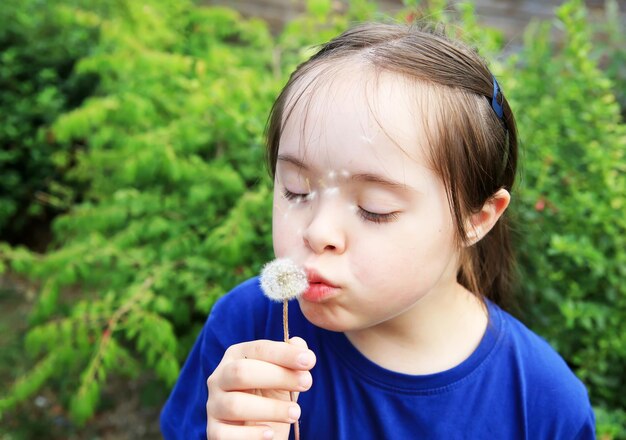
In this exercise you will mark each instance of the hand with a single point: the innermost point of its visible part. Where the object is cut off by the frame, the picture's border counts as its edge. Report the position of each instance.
(249, 389)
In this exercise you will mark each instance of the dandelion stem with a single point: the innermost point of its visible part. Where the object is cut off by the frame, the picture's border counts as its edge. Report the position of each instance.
(296, 425)
(286, 320)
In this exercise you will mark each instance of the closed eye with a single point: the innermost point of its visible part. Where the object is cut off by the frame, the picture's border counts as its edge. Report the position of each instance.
(365, 215)
(294, 197)
(376, 217)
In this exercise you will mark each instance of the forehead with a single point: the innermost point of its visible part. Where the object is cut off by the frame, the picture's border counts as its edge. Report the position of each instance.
(350, 112)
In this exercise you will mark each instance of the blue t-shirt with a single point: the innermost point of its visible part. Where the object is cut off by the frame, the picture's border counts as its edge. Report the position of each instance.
(514, 385)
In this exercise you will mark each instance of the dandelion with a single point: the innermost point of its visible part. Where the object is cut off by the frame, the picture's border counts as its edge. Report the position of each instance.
(282, 280)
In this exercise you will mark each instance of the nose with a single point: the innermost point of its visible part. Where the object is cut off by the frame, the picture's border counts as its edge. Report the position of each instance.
(324, 232)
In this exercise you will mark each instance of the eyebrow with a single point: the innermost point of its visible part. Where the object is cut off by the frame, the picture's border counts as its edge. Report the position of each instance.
(292, 160)
(358, 177)
(375, 178)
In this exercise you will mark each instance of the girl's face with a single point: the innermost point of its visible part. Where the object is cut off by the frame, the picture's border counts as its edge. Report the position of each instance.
(357, 205)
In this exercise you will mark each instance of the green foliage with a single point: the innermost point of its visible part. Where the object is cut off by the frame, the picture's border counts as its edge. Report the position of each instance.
(572, 237)
(610, 424)
(611, 51)
(39, 46)
(175, 205)
(30, 383)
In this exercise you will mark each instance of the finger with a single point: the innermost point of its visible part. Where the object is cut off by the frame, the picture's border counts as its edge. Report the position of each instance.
(279, 353)
(246, 374)
(298, 342)
(217, 430)
(239, 406)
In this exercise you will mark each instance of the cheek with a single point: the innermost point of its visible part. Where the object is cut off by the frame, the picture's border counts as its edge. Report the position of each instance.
(376, 257)
(411, 256)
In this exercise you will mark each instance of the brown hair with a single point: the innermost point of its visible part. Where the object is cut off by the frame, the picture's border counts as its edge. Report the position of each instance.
(472, 149)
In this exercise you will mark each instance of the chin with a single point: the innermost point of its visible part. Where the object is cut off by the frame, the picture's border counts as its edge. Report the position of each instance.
(321, 316)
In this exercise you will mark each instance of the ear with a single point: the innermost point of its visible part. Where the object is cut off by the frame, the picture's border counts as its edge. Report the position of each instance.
(480, 223)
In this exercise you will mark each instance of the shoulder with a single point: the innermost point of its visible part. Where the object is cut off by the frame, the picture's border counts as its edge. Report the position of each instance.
(541, 363)
(556, 401)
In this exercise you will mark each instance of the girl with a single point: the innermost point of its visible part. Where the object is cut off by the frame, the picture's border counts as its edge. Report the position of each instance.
(393, 152)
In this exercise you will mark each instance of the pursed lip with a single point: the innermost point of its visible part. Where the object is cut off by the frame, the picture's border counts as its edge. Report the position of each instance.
(314, 277)
(320, 289)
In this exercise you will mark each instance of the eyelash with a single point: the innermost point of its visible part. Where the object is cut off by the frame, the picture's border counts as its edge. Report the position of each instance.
(372, 217)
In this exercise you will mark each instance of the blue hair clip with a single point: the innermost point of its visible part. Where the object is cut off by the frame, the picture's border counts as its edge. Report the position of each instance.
(495, 105)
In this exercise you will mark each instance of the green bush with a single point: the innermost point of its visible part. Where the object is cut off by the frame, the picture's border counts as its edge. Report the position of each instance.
(39, 45)
(610, 50)
(572, 228)
(175, 203)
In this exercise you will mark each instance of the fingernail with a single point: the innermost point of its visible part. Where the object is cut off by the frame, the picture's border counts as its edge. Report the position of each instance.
(294, 413)
(269, 434)
(305, 359)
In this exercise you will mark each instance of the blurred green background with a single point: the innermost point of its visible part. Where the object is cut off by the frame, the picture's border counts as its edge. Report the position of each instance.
(133, 192)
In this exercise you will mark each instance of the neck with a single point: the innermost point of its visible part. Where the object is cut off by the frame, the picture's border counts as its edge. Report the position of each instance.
(436, 334)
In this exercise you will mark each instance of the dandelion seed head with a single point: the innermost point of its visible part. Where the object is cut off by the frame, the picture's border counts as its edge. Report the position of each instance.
(282, 279)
